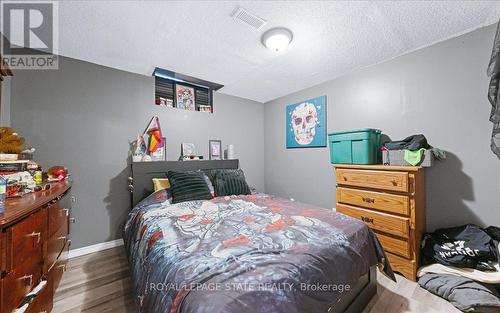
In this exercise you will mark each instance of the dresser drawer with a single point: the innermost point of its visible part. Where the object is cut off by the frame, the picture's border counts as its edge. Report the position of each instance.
(56, 272)
(406, 267)
(24, 240)
(383, 222)
(390, 203)
(397, 246)
(386, 180)
(55, 245)
(19, 282)
(58, 215)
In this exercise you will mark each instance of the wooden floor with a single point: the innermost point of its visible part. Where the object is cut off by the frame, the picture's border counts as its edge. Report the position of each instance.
(100, 283)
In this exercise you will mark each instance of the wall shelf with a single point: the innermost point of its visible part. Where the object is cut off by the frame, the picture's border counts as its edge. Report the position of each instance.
(183, 92)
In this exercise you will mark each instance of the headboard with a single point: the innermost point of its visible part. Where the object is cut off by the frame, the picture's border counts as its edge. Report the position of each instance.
(142, 173)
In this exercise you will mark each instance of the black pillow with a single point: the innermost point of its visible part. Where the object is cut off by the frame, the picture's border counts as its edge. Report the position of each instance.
(188, 186)
(229, 182)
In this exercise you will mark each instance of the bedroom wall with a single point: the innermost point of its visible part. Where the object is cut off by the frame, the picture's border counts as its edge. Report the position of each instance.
(439, 91)
(84, 116)
(5, 101)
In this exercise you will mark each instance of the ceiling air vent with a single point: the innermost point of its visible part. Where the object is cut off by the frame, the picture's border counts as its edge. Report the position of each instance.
(245, 17)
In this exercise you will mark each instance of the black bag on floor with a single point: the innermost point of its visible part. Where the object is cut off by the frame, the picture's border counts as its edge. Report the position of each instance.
(463, 246)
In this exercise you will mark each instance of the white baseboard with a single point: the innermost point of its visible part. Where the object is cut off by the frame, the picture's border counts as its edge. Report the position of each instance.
(95, 248)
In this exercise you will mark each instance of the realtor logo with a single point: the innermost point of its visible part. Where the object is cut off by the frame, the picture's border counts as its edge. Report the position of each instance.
(29, 34)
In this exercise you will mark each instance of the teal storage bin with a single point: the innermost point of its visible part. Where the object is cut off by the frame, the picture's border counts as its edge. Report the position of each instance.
(357, 146)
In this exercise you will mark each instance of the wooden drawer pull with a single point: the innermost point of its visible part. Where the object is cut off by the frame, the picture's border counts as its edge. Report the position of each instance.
(367, 219)
(62, 238)
(368, 200)
(28, 278)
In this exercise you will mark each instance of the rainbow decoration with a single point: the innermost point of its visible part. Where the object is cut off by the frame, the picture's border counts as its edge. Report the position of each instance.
(155, 135)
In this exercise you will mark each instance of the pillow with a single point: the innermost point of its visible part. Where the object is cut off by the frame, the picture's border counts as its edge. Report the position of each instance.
(160, 183)
(228, 182)
(188, 186)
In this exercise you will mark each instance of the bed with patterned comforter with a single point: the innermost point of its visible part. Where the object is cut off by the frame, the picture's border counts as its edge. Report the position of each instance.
(253, 253)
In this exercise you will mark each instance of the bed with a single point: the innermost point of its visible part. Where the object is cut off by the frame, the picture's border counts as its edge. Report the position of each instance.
(247, 253)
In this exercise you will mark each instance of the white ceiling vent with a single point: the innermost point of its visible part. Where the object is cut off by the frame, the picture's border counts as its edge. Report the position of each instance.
(245, 17)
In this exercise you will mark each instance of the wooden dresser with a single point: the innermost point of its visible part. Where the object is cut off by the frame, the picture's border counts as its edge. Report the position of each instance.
(391, 201)
(33, 248)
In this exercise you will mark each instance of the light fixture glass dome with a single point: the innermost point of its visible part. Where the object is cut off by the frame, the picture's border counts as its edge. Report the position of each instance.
(277, 39)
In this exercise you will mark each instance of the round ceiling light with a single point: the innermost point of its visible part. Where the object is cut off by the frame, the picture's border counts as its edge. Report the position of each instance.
(277, 39)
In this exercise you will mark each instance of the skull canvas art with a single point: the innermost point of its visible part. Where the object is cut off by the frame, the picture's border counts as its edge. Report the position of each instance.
(306, 123)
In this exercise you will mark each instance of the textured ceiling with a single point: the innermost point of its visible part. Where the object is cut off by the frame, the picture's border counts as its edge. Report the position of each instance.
(199, 38)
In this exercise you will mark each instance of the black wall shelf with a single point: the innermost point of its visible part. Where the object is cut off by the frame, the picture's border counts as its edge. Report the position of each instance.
(170, 86)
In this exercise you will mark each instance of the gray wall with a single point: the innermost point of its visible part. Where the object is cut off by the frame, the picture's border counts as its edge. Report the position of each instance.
(439, 91)
(5, 101)
(84, 116)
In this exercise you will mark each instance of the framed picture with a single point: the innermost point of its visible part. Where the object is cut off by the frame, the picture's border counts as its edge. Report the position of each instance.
(306, 124)
(188, 149)
(215, 149)
(184, 97)
(161, 153)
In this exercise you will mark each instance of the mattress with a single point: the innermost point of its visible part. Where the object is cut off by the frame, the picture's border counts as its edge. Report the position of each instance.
(252, 253)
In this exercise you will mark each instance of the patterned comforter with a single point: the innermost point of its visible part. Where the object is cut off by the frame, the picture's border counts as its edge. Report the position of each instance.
(255, 253)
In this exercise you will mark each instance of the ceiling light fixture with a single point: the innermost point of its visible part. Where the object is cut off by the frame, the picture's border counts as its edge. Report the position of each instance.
(277, 39)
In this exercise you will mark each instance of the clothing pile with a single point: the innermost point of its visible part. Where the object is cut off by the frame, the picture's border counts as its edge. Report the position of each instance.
(414, 149)
(462, 267)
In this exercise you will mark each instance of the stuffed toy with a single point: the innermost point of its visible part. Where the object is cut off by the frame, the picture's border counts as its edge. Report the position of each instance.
(10, 141)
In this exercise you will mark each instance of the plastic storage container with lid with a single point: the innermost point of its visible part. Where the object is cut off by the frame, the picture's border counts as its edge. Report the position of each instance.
(357, 146)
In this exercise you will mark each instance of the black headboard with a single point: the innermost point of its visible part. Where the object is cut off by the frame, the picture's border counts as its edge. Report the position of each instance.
(142, 173)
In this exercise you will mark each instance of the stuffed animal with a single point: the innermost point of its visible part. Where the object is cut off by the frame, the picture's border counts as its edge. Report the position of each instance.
(10, 141)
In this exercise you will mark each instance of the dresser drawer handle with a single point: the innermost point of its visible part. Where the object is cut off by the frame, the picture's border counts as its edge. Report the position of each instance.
(394, 183)
(62, 238)
(28, 278)
(368, 200)
(367, 219)
(345, 178)
(63, 267)
(37, 235)
(66, 212)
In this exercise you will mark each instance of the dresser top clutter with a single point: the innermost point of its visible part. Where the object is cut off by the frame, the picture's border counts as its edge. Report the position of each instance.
(20, 207)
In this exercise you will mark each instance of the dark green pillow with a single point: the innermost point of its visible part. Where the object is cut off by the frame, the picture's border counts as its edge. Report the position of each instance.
(188, 186)
(228, 182)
